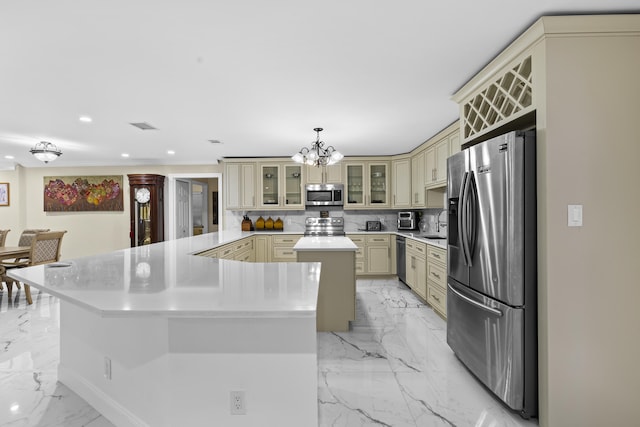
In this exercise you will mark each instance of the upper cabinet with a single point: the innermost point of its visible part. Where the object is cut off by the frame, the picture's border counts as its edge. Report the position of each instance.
(241, 185)
(280, 186)
(402, 169)
(324, 174)
(407, 181)
(367, 184)
(436, 161)
(418, 167)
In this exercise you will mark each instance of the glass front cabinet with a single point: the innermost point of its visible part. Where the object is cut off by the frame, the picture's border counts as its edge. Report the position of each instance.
(281, 186)
(367, 185)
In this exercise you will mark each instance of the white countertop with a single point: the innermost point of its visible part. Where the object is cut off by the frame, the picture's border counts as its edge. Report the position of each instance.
(328, 243)
(164, 279)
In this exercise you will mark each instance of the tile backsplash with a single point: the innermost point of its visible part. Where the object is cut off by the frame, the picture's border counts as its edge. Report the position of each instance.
(353, 220)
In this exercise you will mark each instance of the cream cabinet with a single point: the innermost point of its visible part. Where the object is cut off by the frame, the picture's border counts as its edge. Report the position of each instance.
(401, 183)
(282, 247)
(418, 166)
(416, 253)
(263, 247)
(241, 185)
(331, 174)
(280, 186)
(360, 241)
(436, 159)
(454, 143)
(436, 164)
(378, 256)
(375, 253)
(437, 279)
(241, 250)
(367, 185)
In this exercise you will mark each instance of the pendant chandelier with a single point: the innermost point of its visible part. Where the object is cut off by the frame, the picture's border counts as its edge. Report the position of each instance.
(46, 151)
(317, 155)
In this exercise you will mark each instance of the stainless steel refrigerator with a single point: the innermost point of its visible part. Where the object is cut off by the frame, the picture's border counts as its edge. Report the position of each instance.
(492, 272)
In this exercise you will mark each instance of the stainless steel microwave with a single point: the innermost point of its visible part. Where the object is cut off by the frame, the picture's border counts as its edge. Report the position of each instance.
(324, 195)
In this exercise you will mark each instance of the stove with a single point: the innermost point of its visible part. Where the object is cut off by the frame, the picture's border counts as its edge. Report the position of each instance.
(324, 226)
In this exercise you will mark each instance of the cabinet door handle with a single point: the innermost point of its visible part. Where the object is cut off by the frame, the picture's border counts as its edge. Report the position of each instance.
(435, 275)
(435, 255)
(435, 297)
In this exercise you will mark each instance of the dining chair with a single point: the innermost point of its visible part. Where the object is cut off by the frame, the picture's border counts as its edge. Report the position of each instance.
(45, 249)
(27, 235)
(3, 236)
(25, 240)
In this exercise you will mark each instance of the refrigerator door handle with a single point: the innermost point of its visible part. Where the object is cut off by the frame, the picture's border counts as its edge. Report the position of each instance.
(473, 217)
(462, 217)
(466, 211)
(476, 303)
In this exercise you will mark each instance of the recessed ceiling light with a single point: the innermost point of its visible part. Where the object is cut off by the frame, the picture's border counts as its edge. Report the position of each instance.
(125, 154)
(9, 157)
(171, 152)
(85, 119)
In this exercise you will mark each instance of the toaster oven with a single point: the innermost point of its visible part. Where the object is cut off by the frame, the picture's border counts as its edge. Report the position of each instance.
(407, 220)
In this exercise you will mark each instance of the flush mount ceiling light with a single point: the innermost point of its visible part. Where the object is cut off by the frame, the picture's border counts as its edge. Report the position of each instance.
(46, 151)
(317, 155)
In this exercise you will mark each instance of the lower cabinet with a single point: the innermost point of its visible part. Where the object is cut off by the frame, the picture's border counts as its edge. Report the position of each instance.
(374, 255)
(360, 241)
(378, 254)
(263, 248)
(417, 267)
(240, 250)
(437, 279)
(282, 247)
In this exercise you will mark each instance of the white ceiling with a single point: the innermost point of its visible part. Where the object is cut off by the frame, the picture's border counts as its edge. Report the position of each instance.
(256, 75)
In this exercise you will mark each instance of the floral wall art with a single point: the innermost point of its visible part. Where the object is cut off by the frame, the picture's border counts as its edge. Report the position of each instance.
(83, 193)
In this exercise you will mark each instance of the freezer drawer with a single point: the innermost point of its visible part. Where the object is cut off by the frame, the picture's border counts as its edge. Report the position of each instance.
(487, 337)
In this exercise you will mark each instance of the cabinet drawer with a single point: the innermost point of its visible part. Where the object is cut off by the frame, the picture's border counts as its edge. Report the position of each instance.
(360, 253)
(357, 239)
(226, 251)
(437, 274)
(244, 244)
(284, 254)
(436, 254)
(211, 253)
(437, 299)
(290, 240)
(380, 239)
(359, 267)
(418, 248)
(246, 256)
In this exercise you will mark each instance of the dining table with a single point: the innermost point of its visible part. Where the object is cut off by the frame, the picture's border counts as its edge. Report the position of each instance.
(12, 252)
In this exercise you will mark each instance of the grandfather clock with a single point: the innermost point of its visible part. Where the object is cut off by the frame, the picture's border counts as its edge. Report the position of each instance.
(146, 192)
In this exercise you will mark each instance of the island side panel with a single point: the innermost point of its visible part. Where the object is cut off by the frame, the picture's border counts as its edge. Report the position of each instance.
(180, 371)
(337, 292)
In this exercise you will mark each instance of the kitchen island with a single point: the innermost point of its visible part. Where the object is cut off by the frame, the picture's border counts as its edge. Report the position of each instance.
(337, 293)
(154, 336)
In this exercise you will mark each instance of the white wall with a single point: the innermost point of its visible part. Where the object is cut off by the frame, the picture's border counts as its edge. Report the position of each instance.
(88, 233)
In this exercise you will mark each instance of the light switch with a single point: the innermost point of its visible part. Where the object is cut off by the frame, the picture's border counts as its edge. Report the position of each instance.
(574, 216)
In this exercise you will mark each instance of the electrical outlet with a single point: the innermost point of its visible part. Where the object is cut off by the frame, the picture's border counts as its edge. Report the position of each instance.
(107, 368)
(238, 403)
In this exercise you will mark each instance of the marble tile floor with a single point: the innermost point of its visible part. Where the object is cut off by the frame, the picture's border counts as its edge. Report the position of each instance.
(393, 368)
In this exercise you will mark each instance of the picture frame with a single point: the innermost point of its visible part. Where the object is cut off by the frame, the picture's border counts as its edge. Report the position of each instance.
(4, 194)
(83, 193)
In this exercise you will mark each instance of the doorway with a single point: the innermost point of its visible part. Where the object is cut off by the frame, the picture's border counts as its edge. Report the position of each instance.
(180, 219)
